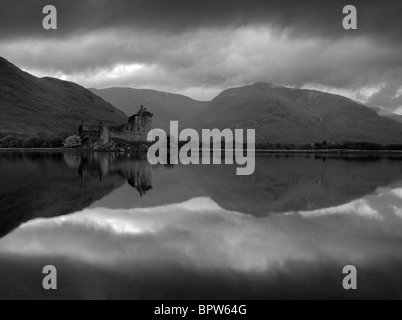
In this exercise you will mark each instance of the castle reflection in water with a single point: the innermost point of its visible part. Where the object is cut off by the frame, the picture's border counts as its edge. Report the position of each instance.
(133, 168)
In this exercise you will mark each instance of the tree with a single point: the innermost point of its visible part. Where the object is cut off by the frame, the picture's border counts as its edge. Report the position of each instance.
(34, 142)
(55, 142)
(11, 142)
(73, 142)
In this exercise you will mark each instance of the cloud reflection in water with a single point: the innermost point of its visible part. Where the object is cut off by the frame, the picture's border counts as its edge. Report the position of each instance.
(199, 234)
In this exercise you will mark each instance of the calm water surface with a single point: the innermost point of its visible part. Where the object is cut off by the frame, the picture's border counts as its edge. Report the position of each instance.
(117, 228)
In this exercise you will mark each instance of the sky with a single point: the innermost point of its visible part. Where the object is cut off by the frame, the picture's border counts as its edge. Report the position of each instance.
(199, 48)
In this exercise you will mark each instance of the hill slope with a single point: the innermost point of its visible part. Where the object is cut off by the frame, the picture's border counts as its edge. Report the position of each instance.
(29, 104)
(280, 115)
(284, 115)
(165, 106)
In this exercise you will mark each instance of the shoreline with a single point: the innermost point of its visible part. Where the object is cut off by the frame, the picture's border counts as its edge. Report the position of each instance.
(331, 151)
(273, 151)
(38, 150)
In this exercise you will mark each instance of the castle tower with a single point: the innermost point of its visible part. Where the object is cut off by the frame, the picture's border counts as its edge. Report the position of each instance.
(141, 124)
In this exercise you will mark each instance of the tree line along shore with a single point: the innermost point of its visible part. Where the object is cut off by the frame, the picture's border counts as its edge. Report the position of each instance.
(57, 141)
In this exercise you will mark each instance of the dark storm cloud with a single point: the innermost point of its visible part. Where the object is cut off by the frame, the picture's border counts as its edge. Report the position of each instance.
(202, 47)
(23, 17)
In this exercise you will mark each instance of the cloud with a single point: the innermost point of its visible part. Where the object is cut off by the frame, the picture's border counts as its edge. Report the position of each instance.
(200, 235)
(389, 97)
(311, 16)
(358, 207)
(201, 48)
(206, 60)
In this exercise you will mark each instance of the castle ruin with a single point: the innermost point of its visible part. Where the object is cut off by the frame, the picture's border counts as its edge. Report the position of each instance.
(134, 131)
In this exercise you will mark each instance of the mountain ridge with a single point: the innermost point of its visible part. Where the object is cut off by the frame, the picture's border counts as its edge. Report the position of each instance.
(278, 114)
(165, 106)
(29, 104)
(296, 116)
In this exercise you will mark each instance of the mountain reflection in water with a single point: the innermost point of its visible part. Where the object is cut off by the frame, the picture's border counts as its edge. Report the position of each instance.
(35, 185)
(285, 232)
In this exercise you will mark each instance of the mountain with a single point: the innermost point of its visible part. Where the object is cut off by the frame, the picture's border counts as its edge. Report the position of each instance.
(165, 106)
(29, 104)
(278, 114)
(285, 115)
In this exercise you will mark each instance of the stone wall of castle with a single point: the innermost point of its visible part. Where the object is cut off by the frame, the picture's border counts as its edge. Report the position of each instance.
(135, 130)
(129, 133)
